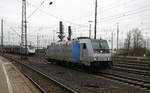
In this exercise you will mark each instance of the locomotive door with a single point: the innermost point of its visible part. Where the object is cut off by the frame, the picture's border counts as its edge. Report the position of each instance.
(83, 51)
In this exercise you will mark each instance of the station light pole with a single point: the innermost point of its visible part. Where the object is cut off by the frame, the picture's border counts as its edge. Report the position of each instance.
(117, 40)
(54, 35)
(37, 42)
(95, 28)
(90, 28)
(117, 36)
(112, 41)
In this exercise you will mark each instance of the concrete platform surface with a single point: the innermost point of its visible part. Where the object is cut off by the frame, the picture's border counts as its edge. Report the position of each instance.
(12, 80)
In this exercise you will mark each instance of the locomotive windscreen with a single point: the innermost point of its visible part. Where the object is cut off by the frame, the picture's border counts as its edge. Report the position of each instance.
(100, 46)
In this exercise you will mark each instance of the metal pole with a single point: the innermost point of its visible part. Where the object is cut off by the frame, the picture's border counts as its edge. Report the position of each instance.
(90, 31)
(117, 40)
(24, 31)
(53, 35)
(37, 41)
(26, 44)
(145, 47)
(117, 36)
(147, 43)
(2, 36)
(21, 45)
(112, 41)
(90, 28)
(95, 29)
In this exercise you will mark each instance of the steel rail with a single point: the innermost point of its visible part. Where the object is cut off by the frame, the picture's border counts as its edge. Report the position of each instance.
(131, 70)
(50, 78)
(134, 67)
(134, 63)
(36, 84)
(129, 80)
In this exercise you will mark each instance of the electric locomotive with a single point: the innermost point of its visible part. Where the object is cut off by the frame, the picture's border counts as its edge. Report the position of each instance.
(82, 51)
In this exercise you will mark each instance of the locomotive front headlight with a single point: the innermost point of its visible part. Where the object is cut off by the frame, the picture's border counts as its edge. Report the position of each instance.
(108, 58)
(101, 51)
(95, 59)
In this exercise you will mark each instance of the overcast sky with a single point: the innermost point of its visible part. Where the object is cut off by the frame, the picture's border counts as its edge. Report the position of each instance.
(128, 13)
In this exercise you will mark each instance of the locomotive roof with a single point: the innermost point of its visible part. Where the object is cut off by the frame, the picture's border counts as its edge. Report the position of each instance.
(83, 38)
(79, 38)
(63, 42)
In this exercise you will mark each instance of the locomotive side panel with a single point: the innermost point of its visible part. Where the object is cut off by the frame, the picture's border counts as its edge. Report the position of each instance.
(76, 52)
(61, 52)
(68, 52)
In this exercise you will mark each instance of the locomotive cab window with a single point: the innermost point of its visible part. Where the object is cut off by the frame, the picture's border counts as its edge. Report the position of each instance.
(84, 46)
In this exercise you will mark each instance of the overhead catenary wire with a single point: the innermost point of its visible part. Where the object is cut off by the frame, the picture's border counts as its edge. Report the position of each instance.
(121, 16)
(109, 7)
(125, 14)
(115, 17)
(112, 6)
(15, 31)
(12, 29)
(81, 25)
(36, 8)
(56, 17)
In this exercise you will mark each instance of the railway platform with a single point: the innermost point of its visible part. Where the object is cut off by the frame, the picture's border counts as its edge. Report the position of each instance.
(12, 80)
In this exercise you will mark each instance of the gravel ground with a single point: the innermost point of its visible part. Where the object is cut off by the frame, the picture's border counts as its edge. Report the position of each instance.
(81, 81)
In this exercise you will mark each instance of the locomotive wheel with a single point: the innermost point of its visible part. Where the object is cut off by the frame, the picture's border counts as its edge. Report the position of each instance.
(83, 67)
(92, 68)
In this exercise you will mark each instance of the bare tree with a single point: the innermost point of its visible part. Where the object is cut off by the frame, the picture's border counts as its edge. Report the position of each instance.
(128, 41)
(134, 43)
(137, 40)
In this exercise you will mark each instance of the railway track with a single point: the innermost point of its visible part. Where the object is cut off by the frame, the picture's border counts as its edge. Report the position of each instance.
(139, 83)
(131, 70)
(133, 67)
(64, 88)
(133, 60)
(135, 63)
(140, 68)
(133, 81)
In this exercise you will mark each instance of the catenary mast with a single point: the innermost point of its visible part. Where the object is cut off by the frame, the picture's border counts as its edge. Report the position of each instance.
(24, 30)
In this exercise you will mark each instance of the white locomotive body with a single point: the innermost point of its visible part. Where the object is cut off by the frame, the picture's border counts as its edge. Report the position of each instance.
(83, 51)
